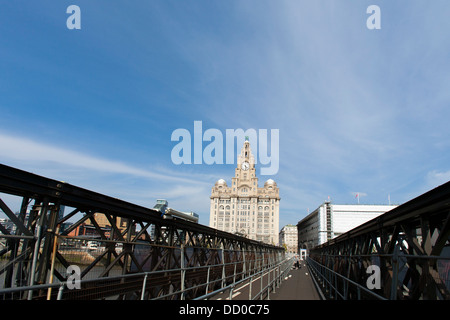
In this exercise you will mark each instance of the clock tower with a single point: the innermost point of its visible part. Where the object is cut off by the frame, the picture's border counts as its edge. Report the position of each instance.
(245, 180)
(244, 208)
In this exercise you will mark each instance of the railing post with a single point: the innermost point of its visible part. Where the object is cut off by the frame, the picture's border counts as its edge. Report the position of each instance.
(223, 266)
(235, 269)
(250, 288)
(274, 284)
(260, 291)
(60, 292)
(183, 272)
(144, 285)
(268, 283)
(244, 267)
(394, 273)
(207, 280)
(37, 244)
(230, 297)
(52, 268)
(278, 276)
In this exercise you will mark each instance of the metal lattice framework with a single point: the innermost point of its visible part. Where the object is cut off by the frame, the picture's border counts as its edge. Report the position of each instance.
(145, 242)
(410, 245)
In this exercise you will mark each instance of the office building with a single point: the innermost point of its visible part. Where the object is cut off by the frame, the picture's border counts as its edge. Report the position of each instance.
(288, 238)
(331, 220)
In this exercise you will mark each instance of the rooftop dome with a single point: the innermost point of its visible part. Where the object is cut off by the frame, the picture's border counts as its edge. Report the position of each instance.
(221, 182)
(270, 182)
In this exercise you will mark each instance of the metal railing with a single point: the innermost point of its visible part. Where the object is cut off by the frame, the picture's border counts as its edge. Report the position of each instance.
(39, 245)
(278, 271)
(328, 281)
(337, 286)
(250, 270)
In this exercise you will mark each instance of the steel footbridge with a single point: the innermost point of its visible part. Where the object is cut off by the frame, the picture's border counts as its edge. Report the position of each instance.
(137, 254)
(403, 254)
(106, 248)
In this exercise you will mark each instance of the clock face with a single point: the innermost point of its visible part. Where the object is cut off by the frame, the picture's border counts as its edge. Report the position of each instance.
(245, 165)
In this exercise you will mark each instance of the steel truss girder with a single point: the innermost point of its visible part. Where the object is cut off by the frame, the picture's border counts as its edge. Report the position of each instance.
(149, 242)
(410, 244)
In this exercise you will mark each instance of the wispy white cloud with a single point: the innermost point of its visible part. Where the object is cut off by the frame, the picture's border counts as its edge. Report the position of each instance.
(44, 155)
(349, 103)
(355, 108)
(186, 191)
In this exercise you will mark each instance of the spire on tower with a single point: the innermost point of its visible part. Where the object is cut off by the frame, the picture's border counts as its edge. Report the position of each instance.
(246, 154)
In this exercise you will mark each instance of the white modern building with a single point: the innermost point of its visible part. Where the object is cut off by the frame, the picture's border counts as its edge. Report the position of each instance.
(331, 220)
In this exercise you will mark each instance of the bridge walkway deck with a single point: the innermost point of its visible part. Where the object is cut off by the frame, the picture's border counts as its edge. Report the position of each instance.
(298, 285)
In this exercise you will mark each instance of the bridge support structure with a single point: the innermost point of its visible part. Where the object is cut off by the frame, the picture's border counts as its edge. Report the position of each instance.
(171, 254)
(402, 254)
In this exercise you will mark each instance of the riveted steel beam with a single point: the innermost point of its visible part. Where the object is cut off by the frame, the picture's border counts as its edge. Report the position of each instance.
(143, 242)
(410, 244)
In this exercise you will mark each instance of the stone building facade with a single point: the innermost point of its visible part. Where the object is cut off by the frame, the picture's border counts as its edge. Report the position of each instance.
(243, 207)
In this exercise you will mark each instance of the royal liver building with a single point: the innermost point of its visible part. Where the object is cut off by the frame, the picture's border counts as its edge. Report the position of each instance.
(243, 207)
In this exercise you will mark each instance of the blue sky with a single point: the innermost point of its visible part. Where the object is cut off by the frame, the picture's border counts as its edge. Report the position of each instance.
(357, 110)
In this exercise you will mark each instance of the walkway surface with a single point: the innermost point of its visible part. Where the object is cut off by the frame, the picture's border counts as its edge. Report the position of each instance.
(298, 285)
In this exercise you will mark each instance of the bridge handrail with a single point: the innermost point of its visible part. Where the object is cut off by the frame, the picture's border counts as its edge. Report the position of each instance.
(359, 287)
(17, 182)
(233, 285)
(45, 228)
(62, 285)
(435, 200)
